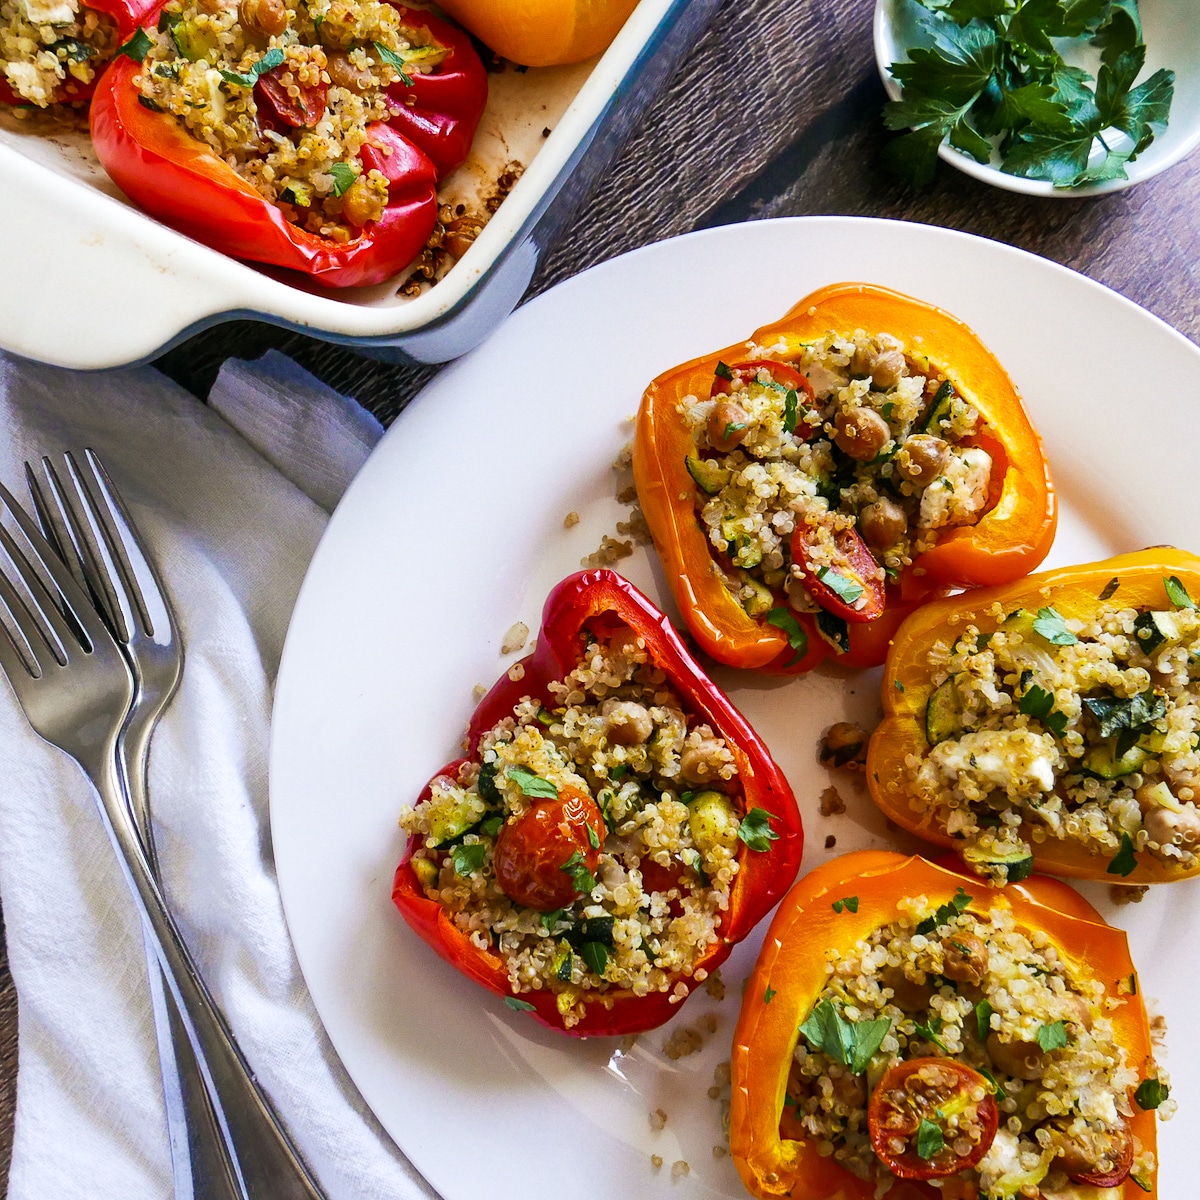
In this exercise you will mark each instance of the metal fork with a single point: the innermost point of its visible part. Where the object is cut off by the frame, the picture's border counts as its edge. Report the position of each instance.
(76, 687)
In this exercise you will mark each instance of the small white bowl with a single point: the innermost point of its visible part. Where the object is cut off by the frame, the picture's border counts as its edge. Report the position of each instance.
(1172, 30)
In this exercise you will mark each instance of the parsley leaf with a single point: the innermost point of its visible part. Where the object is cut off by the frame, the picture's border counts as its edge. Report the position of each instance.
(930, 1140)
(930, 1033)
(531, 784)
(467, 859)
(1110, 588)
(1177, 593)
(1151, 1093)
(593, 838)
(983, 1019)
(595, 954)
(755, 831)
(784, 619)
(946, 913)
(769, 994)
(492, 825)
(1115, 713)
(518, 1005)
(847, 903)
(722, 371)
(343, 176)
(394, 60)
(1124, 861)
(997, 1088)
(577, 868)
(791, 410)
(1052, 1036)
(851, 1043)
(137, 47)
(1051, 625)
(840, 585)
(1039, 703)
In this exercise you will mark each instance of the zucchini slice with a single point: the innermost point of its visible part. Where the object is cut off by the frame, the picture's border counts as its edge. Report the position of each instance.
(1102, 761)
(943, 713)
(709, 477)
(1007, 867)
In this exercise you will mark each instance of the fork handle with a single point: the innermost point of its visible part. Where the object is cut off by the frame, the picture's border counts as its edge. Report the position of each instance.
(270, 1166)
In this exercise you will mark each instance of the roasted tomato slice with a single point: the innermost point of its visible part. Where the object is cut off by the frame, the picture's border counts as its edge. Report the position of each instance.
(1115, 1146)
(844, 581)
(925, 1112)
(279, 109)
(540, 857)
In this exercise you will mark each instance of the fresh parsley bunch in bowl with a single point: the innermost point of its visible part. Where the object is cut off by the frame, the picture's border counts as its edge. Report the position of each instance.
(1046, 97)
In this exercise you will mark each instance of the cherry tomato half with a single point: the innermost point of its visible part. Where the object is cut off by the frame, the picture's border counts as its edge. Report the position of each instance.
(1119, 1152)
(924, 1110)
(847, 586)
(533, 852)
(280, 109)
(782, 373)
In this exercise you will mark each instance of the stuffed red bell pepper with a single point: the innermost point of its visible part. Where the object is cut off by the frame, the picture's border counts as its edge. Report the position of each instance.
(808, 487)
(53, 51)
(308, 136)
(614, 830)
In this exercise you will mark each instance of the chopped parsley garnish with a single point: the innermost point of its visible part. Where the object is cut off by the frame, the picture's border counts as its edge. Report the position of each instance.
(492, 825)
(791, 410)
(983, 1018)
(930, 1033)
(847, 903)
(852, 1043)
(619, 771)
(1124, 861)
(734, 427)
(930, 1140)
(769, 994)
(840, 585)
(721, 371)
(1050, 625)
(1039, 703)
(990, 74)
(467, 859)
(518, 1005)
(595, 954)
(997, 1088)
(1135, 713)
(137, 47)
(1177, 593)
(550, 919)
(1110, 588)
(593, 838)
(1052, 1036)
(577, 868)
(946, 913)
(784, 619)
(531, 784)
(1151, 1093)
(899, 686)
(394, 60)
(269, 61)
(755, 831)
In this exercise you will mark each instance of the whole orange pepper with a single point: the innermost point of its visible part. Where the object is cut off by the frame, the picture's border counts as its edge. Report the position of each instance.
(1072, 592)
(1009, 540)
(790, 975)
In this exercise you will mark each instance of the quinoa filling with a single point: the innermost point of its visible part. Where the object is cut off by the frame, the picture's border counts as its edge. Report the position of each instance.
(958, 987)
(1085, 731)
(284, 91)
(49, 46)
(883, 445)
(638, 903)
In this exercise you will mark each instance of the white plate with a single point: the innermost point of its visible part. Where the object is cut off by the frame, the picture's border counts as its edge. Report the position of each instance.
(454, 530)
(1172, 40)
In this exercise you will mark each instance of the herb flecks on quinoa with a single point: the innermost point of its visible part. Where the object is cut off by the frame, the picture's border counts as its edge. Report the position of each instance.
(1082, 730)
(49, 47)
(997, 998)
(655, 823)
(284, 92)
(858, 433)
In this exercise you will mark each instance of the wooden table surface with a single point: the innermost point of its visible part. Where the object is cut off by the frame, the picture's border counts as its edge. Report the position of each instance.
(775, 113)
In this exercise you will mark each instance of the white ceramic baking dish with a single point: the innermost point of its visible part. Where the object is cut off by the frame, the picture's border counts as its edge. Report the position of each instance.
(92, 282)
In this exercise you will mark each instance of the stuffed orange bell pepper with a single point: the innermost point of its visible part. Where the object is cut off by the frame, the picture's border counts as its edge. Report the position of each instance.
(543, 33)
(808, 487)
(616, 828)
(881, 1037)
(1049, 723)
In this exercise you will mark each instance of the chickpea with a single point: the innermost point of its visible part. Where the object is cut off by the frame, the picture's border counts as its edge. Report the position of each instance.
(342, 72)
(361, 204)
(1082, 1152)
(1169, 828)
(850, 1090)
(266, 18)
(907, 995)
(1022, 1059)
(844, 744)
(701, 764)
(861, 433)
(212, 7)
(966, 958)
(921, 458)
(627, 723)
(883, 524)
(887, 369)
(727, 426)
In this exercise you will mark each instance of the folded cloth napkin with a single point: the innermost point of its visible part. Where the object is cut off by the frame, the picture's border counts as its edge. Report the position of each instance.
(232, 499)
